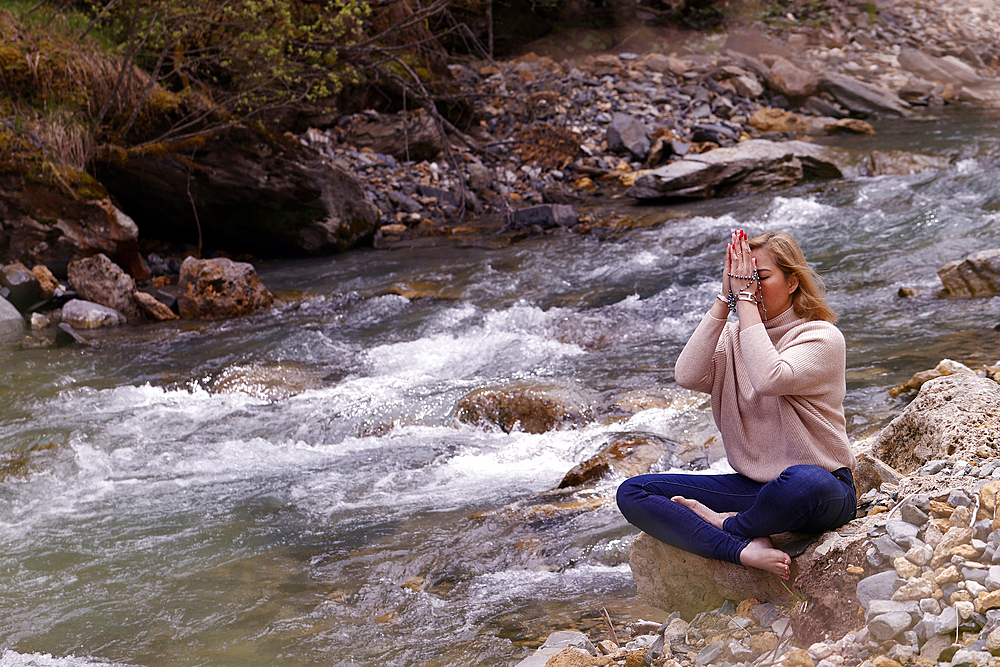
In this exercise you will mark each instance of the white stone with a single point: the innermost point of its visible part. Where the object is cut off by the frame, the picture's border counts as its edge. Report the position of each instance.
(820, 651)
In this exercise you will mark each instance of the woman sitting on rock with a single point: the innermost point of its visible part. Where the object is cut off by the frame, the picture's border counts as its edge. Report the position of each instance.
(777, 380)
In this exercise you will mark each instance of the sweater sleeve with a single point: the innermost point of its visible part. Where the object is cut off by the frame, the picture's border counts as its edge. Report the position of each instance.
(694, 368)
(803, 367)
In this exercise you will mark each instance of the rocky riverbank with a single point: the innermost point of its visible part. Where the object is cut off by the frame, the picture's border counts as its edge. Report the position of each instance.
(914, 580)
(578, 132)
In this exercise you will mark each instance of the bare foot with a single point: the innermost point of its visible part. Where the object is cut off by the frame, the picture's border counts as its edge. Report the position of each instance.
(709, 515)
(761, 554)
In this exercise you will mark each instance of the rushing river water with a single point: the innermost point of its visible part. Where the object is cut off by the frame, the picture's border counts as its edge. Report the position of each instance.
(165, 500)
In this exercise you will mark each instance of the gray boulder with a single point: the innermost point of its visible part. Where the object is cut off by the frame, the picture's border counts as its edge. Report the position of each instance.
(786, 79)
(863, 99)
(750, 166)
(81, 314)
(11, 320)
(100, 280)
(628, 134)
(952, 417)
(948, 69)
(976, 275)
(25, 290)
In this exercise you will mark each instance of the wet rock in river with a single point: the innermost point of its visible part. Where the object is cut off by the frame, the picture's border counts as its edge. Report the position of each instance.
(880, 163)
(533, 407)
(976, 275)
(11, 320)
(627, 455)
(24, 288)
(82, 314)
(267, 381)
(67, 335)
(100, 280)
(546, 216)
(219, 288)
(154, 308)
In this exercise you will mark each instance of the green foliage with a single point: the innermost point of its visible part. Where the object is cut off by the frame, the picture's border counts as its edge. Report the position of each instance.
(249, 53)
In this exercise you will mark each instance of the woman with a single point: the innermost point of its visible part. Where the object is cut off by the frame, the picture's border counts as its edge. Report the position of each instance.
(777, 380)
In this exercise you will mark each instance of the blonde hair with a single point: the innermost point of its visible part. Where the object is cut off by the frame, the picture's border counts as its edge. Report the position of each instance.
(808, 299)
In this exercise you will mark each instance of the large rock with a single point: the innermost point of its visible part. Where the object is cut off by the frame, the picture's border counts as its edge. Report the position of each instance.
(786, 79)
(627, 455)
(11, 320)
(218, 288)
(952, 417)
(948, 69)
(627, 134)
(673, 579)
(255, 192)
(405, 136)
(534, 407)
(25, 290)
(863, 99)
(976, 275)
(100, 280)
(42, 222)
(825, 572)
(750, 166)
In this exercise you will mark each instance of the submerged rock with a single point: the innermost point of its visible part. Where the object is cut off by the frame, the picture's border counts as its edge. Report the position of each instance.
(881, 163)
(533, 407)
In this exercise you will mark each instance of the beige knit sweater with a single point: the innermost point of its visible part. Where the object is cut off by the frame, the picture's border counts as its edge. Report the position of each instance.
(777, 391)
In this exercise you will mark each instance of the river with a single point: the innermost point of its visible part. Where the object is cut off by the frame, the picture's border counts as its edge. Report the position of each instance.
(292, 488)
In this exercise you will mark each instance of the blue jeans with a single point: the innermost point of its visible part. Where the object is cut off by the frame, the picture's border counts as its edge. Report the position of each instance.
(803, 498)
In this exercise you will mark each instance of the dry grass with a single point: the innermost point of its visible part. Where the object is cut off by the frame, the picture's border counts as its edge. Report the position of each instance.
(63, 96)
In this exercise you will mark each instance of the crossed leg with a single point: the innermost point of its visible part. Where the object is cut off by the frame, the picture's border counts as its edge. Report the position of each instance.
(760, 553)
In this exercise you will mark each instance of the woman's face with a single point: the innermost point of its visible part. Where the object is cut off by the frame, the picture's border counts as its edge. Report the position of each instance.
(775, 286)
